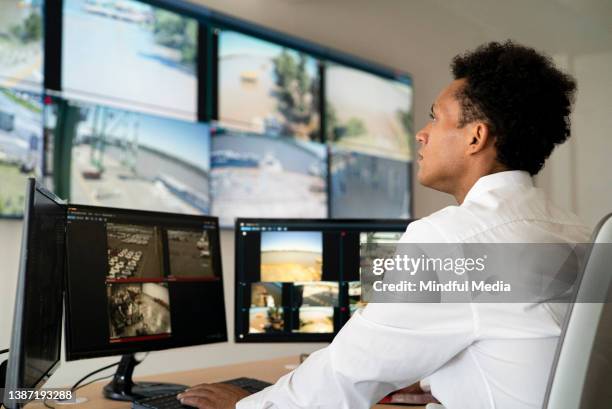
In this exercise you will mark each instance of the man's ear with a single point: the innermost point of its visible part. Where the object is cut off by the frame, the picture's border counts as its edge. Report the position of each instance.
(478, 137)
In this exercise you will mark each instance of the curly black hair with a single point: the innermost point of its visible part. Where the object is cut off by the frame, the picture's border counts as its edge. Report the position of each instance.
(525, 100)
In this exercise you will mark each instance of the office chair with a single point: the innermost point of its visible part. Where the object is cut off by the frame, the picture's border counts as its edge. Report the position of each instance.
(581, 377)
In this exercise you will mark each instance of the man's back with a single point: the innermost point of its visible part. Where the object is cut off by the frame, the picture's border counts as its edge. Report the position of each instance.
(508, 363)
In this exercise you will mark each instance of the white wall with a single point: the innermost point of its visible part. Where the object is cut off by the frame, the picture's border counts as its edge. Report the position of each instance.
(420, 37)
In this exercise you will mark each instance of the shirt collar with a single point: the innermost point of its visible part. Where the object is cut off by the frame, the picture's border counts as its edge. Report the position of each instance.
(498, 180)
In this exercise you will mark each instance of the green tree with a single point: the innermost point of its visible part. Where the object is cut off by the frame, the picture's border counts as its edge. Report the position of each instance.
(294, 93)
(406, 120)
(355, 127)
(331, 122)
(174, 31)
(30, 30)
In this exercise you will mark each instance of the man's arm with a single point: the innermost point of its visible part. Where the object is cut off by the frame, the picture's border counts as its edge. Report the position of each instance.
(383, 348)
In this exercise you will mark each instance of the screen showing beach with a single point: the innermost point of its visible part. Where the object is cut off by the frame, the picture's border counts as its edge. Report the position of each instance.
(139, 56)
(367, 113)
(263, 176)
(21, 44)
(289, 256)
(20, 147)
(132, 160)
(267, 88)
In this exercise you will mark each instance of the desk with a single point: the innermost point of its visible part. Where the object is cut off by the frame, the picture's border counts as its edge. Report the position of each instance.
(268, 370)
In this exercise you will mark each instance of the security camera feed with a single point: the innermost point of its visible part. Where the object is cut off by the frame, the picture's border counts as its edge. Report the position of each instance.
(138, 310)
(263, 320)
(190, 253)
(268, 295)
(136, 161)
(316, 320)
(354, 292)
(368, 254)
(262, 176)
(289, 256)
(21, 44)
(368, 113)
(367, 186)
(316, 294)
(131, 53)
(268, 89)
(354, 296)
(309, 268)
(134, 252)
(20, 147)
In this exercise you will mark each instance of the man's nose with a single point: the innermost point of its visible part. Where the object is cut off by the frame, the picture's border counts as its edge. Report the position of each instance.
(421, 136)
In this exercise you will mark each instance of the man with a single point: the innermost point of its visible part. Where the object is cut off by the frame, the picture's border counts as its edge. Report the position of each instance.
(491, 129)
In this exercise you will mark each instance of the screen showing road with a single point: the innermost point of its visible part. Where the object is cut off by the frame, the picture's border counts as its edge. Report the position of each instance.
(264, 176)
(20, 147)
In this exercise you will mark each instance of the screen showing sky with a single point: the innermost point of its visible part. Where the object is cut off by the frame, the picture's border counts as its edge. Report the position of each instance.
(308, 241)
(141, 57)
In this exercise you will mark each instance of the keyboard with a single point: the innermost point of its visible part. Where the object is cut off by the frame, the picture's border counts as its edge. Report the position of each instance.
(169, 401)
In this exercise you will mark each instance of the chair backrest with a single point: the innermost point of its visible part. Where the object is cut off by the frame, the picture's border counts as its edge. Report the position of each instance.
(581, 377)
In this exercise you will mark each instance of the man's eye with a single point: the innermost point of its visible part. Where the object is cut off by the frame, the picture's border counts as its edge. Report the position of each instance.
(432, 116)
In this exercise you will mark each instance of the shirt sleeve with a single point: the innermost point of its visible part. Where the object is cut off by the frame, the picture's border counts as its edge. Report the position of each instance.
(383, 347)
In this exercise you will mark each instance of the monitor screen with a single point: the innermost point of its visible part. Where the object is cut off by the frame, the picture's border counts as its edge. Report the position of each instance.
(298, 280)
(132, 160)
(141, 281)
(267, 88)
(37, 319)
(20, 147)
(368, 113)
(263, 176)
(130, 53)
(21, 44)
(367, 186)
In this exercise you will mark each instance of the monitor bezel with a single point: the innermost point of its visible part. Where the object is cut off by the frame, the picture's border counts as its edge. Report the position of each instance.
(16, 361)
(297, 337)
(72, 355)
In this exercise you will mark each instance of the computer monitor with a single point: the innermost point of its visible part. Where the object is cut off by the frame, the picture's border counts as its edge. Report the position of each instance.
(297, 280)
(37, 320)
(141, 56)
(264, 176)
(21, 53)
(21, 144)
(267, 88)
(140, 281)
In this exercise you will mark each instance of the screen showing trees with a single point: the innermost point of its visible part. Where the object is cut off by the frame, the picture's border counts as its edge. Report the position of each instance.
(267, 88)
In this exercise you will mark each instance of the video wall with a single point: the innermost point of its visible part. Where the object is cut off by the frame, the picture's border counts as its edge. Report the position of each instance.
(125, 104)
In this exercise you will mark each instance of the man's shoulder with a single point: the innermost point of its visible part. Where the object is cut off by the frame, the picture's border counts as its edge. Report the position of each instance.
(438, 227)
(502, 222)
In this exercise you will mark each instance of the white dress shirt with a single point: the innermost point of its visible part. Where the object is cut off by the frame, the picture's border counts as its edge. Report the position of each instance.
(473, 355)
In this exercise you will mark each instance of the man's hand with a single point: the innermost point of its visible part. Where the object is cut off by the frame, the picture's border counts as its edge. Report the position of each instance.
(212, 396)
(412, 394)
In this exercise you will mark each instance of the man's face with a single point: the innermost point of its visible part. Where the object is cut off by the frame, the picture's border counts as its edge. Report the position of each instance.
(442, 155)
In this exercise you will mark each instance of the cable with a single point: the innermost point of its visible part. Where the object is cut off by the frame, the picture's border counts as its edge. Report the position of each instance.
(93, 381)
(74, 387)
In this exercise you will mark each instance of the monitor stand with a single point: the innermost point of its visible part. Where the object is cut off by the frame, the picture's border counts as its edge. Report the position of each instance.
(123, 388)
